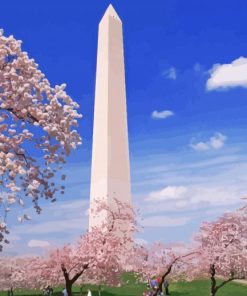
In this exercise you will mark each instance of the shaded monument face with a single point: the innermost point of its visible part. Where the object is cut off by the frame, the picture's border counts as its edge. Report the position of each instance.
(110, 176)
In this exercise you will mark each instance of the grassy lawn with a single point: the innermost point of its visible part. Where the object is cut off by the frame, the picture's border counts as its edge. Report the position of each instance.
(196, 288)
(201, 288)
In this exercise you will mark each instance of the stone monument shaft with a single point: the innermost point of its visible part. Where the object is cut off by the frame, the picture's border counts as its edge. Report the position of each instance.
(110, 174)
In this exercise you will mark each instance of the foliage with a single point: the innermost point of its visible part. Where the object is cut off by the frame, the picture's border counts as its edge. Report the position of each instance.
(97, 257)
(223, 245)
(33, 114)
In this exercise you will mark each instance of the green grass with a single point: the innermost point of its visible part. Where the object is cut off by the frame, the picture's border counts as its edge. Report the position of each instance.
(202, 288)
(195, 288)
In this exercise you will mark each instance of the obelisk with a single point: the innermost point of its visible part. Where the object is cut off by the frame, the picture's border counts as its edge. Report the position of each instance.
(110, 171)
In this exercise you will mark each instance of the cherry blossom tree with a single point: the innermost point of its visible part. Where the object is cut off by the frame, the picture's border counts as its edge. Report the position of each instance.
(13, 273)
(223, 250)
(97, 257)
(33, 115)
(158, 260)
(5, 274)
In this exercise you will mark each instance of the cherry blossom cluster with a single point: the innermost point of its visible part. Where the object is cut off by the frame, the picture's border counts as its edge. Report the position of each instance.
(219, 250)
(159, 260)
(13, 273)
(34, 116)
(101, 255)
(223, 246)
(98, 256)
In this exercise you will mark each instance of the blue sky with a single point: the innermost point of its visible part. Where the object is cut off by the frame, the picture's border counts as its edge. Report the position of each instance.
(187, 102)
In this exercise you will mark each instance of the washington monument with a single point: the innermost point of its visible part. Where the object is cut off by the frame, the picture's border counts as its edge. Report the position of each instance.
(110, 174)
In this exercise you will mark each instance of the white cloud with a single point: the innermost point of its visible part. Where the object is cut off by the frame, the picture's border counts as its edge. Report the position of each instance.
(162, 165)
(223, 76)
(171, 73)
(196, 197)
(56, 226)
(200, 146)
(215, 142)
(191, 198)
(214, 196)
(33, 243)
(168, 193)
(161, 114)
(61, 217)
(181, 204)
(164, 221)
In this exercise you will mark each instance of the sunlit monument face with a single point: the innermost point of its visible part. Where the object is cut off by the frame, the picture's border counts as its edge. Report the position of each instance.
(110, 177)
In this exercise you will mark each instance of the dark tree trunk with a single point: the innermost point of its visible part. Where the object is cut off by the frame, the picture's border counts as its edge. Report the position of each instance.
(69, 287)
(213, 289)
(69, 282)
(159, 289)
(11, 292)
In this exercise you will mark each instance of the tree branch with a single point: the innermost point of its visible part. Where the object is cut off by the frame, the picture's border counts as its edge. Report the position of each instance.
(78, 274)
(65, 273)
(16, 113)
(24, 156)
(169, 270)
(227, 281)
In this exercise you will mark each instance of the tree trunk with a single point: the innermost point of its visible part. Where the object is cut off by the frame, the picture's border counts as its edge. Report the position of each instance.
(69, 287)
(213, 289)
(159, 289)
(69, 282)
(10, 292)
(99, 290)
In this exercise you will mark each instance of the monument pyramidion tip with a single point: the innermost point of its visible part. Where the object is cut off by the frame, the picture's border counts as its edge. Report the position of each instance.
(110, 11)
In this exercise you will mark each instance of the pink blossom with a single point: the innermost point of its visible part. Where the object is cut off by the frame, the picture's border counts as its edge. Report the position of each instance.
(33, 114)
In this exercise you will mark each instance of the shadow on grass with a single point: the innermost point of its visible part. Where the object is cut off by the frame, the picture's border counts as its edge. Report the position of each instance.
(175, 293)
